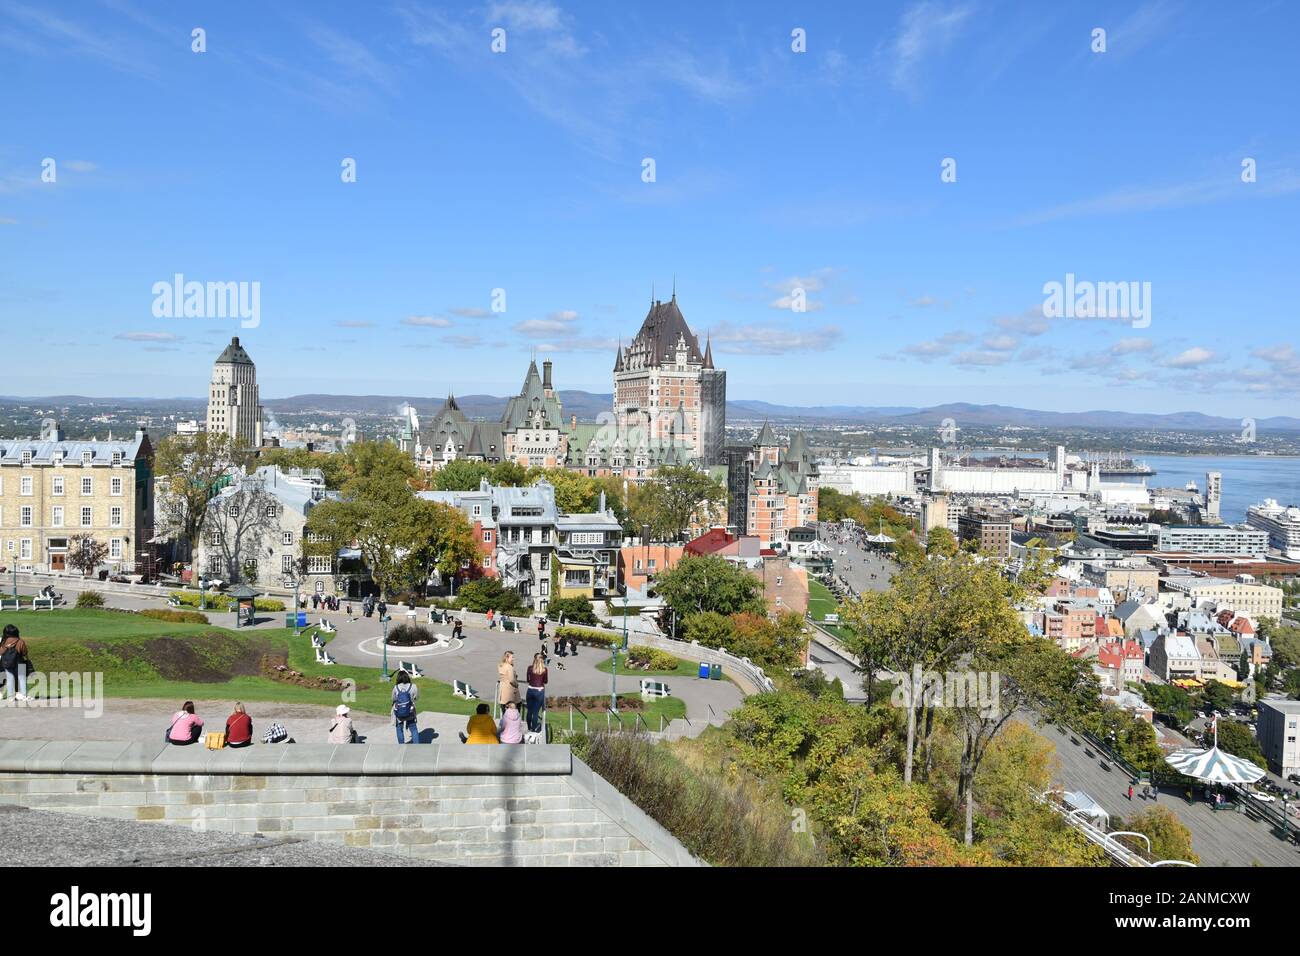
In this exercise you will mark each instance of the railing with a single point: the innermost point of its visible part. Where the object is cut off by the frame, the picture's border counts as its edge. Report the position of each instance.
(1119, 854)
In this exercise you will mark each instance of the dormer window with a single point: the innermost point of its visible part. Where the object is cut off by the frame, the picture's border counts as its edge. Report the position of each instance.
(86, 457)
(117, 458)
(27, 458)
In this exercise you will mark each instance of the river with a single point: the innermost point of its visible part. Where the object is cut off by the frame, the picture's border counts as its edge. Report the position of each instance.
(1247, 479)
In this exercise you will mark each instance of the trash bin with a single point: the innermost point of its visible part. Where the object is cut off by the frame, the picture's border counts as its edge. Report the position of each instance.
(302, 618)
(704, 670)
(715, 672)
(288, 618)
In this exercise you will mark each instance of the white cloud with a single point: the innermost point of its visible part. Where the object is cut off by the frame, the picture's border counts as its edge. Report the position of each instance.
(427, 321)
(1191, 358)
(981, 359)
(767, 339)
(1132, 346)
(148, 337)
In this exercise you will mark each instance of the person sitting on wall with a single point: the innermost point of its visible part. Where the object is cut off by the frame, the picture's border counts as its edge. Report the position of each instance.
(481, 729)
(186, 726)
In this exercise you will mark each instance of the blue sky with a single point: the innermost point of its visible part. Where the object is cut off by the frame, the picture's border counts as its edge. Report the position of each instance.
(774, 170)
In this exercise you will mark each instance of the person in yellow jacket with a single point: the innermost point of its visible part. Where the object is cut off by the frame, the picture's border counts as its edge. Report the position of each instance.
(481, 729)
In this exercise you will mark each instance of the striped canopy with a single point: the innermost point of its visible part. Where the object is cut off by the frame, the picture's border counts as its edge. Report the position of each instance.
(1214, 766)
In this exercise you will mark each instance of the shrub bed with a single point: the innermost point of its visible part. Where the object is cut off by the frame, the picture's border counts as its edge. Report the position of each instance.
(650, 659)
(276, 669)
(410, 635)
(175, 617)
(92, 599)
(593, 703)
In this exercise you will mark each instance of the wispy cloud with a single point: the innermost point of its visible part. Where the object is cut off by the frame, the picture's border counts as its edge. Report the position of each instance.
(427, 321)
(1190, 358)
(147, 337)
(772, 339)
(926, 30)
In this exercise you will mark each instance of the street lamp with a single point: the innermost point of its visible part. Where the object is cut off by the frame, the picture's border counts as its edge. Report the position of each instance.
(203, 593)
(384, 622)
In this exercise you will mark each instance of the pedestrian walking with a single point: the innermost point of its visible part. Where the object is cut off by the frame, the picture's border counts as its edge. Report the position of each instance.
(405, 694)
(491, 615)
(457, 628)
(383, 609)
(1130, 793)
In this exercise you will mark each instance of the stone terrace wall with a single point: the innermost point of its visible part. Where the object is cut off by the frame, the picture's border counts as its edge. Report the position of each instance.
(471, 805)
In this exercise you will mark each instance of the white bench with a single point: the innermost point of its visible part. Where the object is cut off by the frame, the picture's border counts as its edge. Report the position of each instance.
(461, 689)
(323, 657)
(411, 668)
(654, 688)
(10, 604)
(172, 602)
(40, 602)
(325, 626)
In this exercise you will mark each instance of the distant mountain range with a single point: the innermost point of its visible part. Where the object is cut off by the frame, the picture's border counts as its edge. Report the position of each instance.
(587, 405)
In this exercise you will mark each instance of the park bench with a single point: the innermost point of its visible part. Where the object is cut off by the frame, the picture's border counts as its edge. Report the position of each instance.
(411, 668)
(322, 656)
(46, 602)
(325, 626)
(172, 602)
(461, 689)
(654, 688)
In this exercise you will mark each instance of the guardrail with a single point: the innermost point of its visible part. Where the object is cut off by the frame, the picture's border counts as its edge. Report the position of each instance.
(1119, 854)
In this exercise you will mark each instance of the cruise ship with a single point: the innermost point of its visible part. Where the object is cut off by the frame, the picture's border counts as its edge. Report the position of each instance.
(1282, 525)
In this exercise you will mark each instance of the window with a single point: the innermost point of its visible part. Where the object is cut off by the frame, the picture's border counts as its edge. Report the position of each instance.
(115, 486)
(487, 536)
(56, 518)
(286, 563)
(115, 548)
(26, 513)
(478, 510)
(546, 562)
(87, 486)
(25, 549)
(487, 560)
(578, 578)
(545, 588)
(58, 485)
(214, 537)
(286, 537)
(233, 511)
(25, 485)
(546, 536)
(272, 511)
(85, 517)
(115, 517)
(27, 458)
(586, 537)
(778, 580)
(638, 564)
(117, 458)
(652, 564)
(318, 564)
(86, 457)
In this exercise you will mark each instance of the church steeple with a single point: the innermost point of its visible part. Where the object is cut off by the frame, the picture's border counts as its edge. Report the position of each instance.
(618, 357)
(708, 352)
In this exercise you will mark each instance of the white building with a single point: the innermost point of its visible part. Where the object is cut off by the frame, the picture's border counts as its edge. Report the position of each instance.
(1278, 731)
(1241, 594)
(233, 404)
(1214, 539)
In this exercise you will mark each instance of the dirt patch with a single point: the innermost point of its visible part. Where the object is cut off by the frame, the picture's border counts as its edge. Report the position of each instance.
(593, 703)
(202, 659)
(275, 667)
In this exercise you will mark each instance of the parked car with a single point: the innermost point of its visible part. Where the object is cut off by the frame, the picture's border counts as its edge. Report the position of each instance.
(1263, 797)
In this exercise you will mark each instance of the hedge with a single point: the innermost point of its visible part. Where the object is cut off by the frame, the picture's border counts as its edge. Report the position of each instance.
(217, 601)
(90, 599)
(585, 635)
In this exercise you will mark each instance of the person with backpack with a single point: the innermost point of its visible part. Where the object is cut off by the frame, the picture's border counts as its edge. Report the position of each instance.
(14, 663)
(383, 609)
(405, 694)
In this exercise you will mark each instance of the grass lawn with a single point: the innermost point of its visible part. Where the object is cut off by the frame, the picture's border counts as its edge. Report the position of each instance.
(141, 657)
(684, 668)
(820, 603)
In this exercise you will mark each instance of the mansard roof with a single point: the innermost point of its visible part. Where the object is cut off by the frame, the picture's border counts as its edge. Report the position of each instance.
(234, 354)
(656, 342)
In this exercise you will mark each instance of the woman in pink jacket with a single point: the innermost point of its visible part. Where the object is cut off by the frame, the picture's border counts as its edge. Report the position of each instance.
(186, 726)
(511, 729)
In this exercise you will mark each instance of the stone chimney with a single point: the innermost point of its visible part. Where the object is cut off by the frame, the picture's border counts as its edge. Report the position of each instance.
(546, 377)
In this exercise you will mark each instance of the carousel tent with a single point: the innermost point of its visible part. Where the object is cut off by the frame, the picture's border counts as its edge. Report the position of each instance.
(1214, 766)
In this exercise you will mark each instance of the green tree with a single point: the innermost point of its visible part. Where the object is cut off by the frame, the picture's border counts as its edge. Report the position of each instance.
(576, 610)
(709, 583)
(86, 553)
(489, 594)
(1236, 739)
(1218, 696)
(190, 470)
(1170, 839)
(461, 475)
(708, 629)
(942, 542)
(674, 499)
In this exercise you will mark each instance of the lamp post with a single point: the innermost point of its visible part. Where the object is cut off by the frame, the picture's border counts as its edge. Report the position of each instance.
(203, 594)
(384, 622)
(297, 632)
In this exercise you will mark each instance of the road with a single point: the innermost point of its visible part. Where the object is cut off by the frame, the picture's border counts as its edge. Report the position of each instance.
(862, 569)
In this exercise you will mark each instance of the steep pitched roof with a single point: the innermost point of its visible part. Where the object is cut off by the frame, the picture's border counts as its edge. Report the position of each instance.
(766, 438)
(234, 354)
(657, 340)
